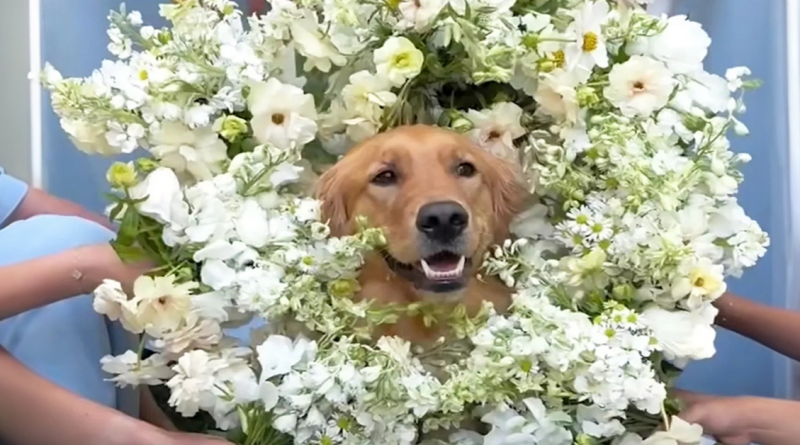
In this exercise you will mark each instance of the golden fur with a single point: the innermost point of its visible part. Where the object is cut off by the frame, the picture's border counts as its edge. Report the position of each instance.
(425, 159)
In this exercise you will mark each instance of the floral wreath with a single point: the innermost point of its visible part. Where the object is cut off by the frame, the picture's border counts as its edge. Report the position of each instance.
(607, 110)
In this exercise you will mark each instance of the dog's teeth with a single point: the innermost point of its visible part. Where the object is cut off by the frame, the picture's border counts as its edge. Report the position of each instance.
(436, 275)
(427, 269)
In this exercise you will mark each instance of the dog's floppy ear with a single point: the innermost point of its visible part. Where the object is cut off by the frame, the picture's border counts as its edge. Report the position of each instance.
(331, 191)
(508, 190)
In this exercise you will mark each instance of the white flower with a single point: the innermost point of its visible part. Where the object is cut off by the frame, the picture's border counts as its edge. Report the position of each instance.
(532, 223)
(397, 348)
(680, 433)
(682, 45)
(312, 43)
(111, 301)
(192, 386)
(367, 94)
(162, 198)
(598, 422)
(419, 14)
(683, 335)
(195, 333)
(496, 129)
(398, 60)
(284, 174)
(557, 97)
(734, 77)
(709, 91)
(282, 114)
(703, 281)
(278, 355)
(161, 304)
(639, 86)
(589, 50)
(196, 151)
(256, 229)
(89, 137)
(129, 370)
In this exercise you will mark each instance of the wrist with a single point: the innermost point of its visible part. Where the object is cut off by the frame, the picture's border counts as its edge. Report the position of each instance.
(93, 264)
(136, 432)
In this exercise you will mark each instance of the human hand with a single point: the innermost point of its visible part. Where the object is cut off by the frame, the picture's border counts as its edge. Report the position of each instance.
(156, 436)
(103, 263)
(177, 438)
(728, 419)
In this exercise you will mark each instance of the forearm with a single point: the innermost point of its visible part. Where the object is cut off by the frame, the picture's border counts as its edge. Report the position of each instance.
(776, 329)
(45, 280)
(774, 422)
(150, 412)
(38, 202)
(34, 411)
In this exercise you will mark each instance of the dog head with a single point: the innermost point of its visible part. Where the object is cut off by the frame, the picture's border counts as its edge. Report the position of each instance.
(441, 201)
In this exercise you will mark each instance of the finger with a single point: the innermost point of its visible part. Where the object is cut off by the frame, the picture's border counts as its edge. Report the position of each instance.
(691, 397)
(694, 414)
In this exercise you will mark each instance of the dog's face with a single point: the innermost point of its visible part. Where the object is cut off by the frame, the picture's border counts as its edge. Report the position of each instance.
(440, 200)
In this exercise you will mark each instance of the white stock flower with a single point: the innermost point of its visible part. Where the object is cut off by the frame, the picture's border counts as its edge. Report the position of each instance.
(129, 370)
(161, 304)
(398, 60)
(199, 152)
(283, 115)
(639, 86)
(495, 129)
(684, 335)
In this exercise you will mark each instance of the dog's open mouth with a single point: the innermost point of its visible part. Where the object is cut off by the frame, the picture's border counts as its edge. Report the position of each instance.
(442, 272)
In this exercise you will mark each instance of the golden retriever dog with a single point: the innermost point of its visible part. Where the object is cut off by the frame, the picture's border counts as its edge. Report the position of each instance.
(441, 201)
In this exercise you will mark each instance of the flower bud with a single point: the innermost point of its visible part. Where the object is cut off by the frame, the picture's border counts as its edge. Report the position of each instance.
(587, 97)
(146, 165)
(121, 175)
(343, 288)
(230, 127)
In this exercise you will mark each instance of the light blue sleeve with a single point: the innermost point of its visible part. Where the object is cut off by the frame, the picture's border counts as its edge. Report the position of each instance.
(12, 190)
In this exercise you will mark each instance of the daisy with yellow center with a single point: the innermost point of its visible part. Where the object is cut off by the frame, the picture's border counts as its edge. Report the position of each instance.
(589, 47)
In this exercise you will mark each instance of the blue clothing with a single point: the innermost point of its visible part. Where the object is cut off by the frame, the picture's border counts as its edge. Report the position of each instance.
(64, 341)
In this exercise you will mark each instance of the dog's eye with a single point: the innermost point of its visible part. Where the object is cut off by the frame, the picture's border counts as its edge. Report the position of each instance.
(466, 170)
(384, 178)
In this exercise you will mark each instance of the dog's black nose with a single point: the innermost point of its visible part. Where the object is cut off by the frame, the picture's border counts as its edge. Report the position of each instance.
(442, 221)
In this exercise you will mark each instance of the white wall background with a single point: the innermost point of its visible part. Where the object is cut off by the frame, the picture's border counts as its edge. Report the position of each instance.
(15, 115)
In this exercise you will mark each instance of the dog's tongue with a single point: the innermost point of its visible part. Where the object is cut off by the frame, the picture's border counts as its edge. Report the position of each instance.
(445, 268)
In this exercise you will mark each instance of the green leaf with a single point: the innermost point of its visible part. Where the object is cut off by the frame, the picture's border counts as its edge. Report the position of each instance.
(129, 254)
